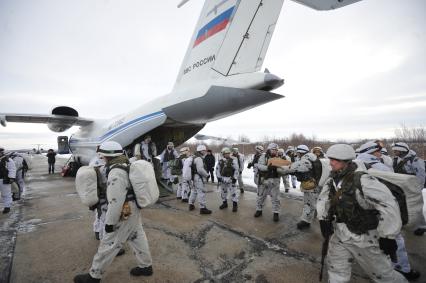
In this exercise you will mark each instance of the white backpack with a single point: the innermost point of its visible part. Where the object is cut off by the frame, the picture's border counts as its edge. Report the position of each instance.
(141, 175)
(86, 184)
(142, 178)
(412, 190)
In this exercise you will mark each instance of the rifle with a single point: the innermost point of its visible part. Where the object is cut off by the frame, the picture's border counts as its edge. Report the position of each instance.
(324, 254)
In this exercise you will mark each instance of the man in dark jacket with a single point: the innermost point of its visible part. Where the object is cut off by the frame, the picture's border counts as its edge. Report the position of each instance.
(210, 162)
(51, 160)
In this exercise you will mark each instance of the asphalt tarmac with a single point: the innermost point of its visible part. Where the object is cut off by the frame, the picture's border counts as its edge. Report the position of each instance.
(48, 237)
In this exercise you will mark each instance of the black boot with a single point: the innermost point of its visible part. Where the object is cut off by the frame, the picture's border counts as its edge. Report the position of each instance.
(85, 278)
(184, 200)
(204, 210)
(191, 207)
(234, 206)
(303, 225)
(138, 271)
(121, 252)
(276, 217)
(178, 197)
(97, 236)
(412, 275)
(223, 205)
(242, 190)
(286, 191)
(258, 213)
(6, 210)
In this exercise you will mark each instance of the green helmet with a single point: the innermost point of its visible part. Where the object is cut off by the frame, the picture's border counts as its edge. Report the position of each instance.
(226, 150)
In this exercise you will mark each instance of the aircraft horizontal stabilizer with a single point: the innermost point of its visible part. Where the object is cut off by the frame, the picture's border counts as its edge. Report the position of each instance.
(217, 103)
(324, 5)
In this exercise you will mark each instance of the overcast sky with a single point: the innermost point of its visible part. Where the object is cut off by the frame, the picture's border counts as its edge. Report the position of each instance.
(356, 72)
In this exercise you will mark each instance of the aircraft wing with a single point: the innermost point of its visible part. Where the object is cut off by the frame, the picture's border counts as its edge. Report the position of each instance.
(325, 5)
(56, 123)
(44, 119)
(202, 137)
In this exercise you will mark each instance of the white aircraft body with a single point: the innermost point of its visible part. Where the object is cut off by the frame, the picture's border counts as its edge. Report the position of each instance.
(219, 77)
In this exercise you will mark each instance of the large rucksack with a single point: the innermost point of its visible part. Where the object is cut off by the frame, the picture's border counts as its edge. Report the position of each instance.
(412, 190)
(144, 184)
(86, 184)
(396, 191)
(141, 176)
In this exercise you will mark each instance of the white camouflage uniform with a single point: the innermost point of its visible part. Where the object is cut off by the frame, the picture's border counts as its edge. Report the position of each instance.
(19, 164)
(285, 177)
(198, 188)
(240, 164)
(180, 192)
(270, 186)
(345, 246)
(402, 263)
(226, 185)
(304, 165)
(144, 150)
(100, 212)
(413, 166)
(6, 191)
(166, 170)
(129, 230)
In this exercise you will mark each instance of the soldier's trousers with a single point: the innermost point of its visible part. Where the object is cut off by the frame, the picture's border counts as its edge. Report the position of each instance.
(199, 190)
(240, 180)
(20, 181)
(6, 194)
(370, 257)
(227, 186)
(270, 187)
(402, 263)
(309, 205)
(99, 223)
(286, 182)
(184, 189)
(130, 231)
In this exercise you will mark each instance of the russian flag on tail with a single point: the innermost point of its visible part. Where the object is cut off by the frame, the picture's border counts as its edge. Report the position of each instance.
(214, 26)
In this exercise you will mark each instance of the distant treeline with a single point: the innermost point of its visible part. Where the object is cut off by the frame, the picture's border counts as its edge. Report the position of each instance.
(414, 137)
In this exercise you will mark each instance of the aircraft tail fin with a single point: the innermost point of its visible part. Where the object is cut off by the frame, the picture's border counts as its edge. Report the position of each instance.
(231, 37)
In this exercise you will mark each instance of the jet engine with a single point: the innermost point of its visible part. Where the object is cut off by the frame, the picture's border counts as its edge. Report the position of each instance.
(62, 124)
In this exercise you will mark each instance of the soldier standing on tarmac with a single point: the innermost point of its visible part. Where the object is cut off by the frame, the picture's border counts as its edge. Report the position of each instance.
(269, 183)
(240, 159)
(227, 174)
(199, 177)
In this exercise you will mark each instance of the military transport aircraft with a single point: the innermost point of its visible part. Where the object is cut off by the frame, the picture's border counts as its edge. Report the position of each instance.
(219, 77)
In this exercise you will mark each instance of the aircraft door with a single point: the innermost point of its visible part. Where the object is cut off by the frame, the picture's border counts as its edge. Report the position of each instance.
(63, 146)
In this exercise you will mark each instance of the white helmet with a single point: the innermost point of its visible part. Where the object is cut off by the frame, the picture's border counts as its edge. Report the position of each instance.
(201, 147)
(289, 149)
(302, 149)
(384, 151)
(111, 149)
(341, 152)
(401, 146)
(369, 147)
(272, 146)
(259, 148)
(226, 150)
(96, 162)
(184, 149)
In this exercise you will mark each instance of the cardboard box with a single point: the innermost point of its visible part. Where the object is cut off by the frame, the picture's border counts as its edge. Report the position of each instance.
(277, 161)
